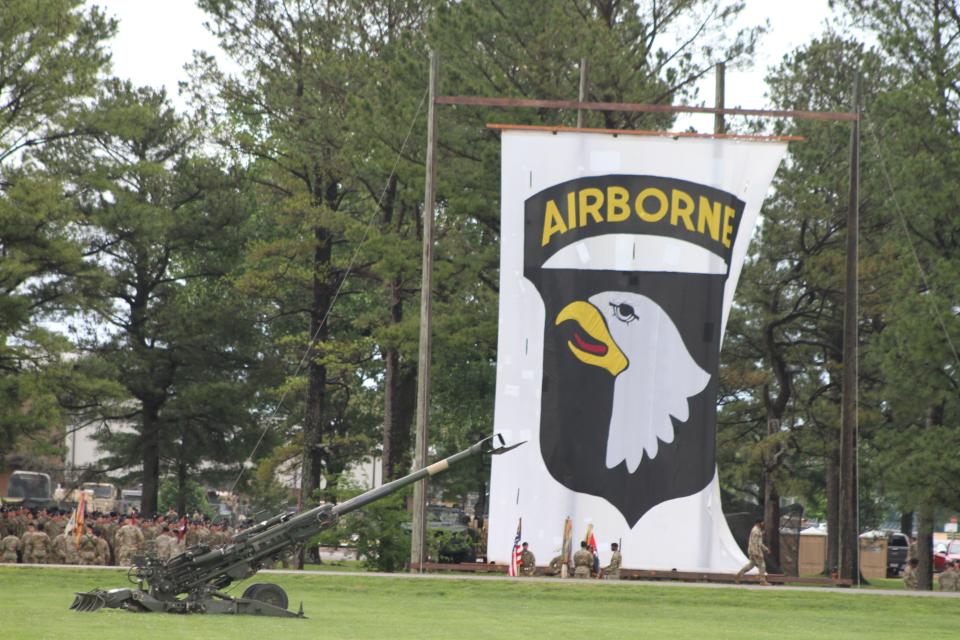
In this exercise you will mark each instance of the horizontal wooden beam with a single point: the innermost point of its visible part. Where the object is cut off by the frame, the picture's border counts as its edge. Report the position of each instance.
(636, 107)
(647, 574)
(634, 132)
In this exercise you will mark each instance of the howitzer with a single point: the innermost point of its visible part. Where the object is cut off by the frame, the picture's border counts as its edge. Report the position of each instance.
(193, 582)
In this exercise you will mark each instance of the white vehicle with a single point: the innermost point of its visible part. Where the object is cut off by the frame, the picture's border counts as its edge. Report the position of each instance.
(101, 496)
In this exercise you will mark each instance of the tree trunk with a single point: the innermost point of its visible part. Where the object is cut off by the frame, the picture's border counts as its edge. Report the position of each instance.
(833, 513)
(925, 548)
(313, 426)
(182, 489)
(151, 460)
(400, 403)
(771, 517)
(906, 522)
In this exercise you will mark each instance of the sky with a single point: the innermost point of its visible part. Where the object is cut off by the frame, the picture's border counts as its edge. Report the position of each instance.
(157, 38)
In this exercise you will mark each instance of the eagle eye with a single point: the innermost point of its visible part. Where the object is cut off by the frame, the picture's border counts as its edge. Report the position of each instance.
(623, 312)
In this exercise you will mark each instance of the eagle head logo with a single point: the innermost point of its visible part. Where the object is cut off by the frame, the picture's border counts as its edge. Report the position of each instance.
(630, 355)
(635, 341)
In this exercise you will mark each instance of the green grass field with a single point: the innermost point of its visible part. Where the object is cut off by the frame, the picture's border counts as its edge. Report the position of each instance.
(34, 604)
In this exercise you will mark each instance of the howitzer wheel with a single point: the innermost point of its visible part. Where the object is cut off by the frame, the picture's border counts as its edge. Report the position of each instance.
(267, 592)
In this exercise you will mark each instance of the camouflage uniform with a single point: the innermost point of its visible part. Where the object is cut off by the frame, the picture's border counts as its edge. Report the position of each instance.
(54, 528)
(528, 563)
(59, 548)
(87, 549)
(910, 578)
(755, 551)
(36, 547)
(103, 551)
(582, 563)
(950, 579)
(8, 549)
(166, 545)
(129, 541)
(612, 570)
(72, 551)
(192, 536)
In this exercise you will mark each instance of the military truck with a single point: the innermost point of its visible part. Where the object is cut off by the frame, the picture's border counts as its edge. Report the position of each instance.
(101, 496)
(31, 489)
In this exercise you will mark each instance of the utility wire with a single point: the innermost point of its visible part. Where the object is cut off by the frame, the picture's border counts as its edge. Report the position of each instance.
(336, 295)
(931, 307)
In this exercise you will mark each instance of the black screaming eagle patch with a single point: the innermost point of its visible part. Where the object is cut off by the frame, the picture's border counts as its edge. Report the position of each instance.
(628, 406)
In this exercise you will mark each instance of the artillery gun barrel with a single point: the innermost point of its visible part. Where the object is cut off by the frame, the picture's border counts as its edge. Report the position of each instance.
(201, 573)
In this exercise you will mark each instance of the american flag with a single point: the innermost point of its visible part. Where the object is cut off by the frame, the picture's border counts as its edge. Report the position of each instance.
(515, 553)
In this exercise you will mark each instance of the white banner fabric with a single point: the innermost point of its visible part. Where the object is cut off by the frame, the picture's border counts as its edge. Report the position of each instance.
(619, 260)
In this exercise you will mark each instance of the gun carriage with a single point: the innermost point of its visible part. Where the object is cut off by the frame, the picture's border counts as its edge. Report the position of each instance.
(194, 581)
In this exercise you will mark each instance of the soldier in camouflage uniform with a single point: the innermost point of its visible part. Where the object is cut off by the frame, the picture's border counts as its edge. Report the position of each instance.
(612, 570)
(910, 577)
(528, 563)
(87, 549)
(103, 549)
(166, 544)
(36, 544)
(129, 542)
(755, 551)
(950, 579)
(582, 562)
(8, 548)
(58, 548)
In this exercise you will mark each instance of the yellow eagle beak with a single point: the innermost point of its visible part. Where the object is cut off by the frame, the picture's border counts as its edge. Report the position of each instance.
(593, 345)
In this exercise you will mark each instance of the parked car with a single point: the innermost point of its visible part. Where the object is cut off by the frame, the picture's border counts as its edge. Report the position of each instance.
(898, 550)
(945, 553)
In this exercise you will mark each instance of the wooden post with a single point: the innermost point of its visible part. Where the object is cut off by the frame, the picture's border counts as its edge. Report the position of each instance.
(719, 125)
(424, 355)
(849, 520)
(582, 95)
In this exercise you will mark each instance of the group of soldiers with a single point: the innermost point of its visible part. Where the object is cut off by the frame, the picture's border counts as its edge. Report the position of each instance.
(103, 539)
(583, 563)
(949, 579)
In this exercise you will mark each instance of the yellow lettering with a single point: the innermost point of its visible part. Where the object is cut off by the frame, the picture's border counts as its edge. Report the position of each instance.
(572, 210)
(552, 222)
(681, 207)
(590, 202)
(728, 214)
(651, 216)
(708, 215)
(618, 204)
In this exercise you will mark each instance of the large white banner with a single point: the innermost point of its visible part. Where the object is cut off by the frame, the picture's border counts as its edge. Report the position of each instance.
(619, 259)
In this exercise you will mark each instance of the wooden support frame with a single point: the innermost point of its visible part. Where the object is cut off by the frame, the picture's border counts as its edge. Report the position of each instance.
(849, 471)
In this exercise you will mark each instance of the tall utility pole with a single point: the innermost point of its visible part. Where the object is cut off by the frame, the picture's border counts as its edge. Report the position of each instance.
(424, 355)
(719, 126)
(582, 95)
(849, 520)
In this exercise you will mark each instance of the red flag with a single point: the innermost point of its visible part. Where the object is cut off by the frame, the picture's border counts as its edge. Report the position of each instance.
(80, 516)
(516, 551)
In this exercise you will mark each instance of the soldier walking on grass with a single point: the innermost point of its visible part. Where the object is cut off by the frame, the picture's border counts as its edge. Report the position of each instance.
(910, 577)
(755, 551)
